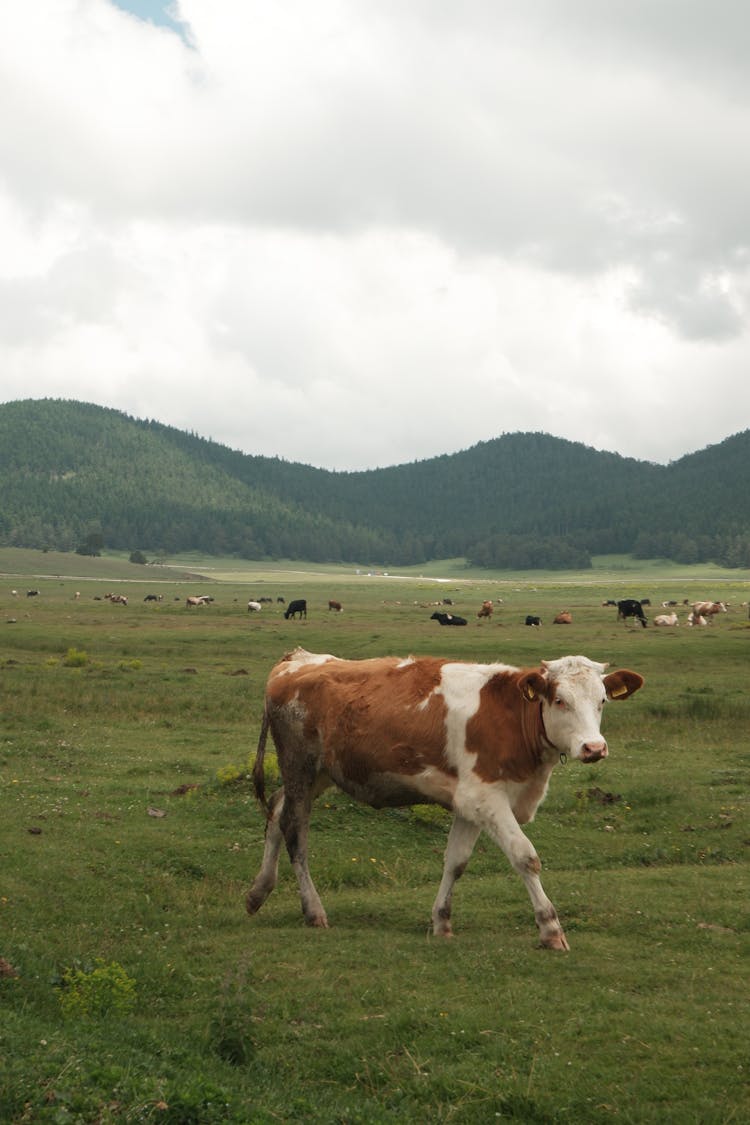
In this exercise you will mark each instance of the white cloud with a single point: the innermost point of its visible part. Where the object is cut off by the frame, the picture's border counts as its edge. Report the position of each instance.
(356, 235)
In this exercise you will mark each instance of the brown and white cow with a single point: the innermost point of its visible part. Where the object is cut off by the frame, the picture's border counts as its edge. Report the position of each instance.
(563, 618)
(479, 739)
(337, 606)
(666, 619)
(708, 609)
(485, 609)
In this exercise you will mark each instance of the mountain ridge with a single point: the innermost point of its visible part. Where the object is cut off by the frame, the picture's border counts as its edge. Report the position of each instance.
(73, 473)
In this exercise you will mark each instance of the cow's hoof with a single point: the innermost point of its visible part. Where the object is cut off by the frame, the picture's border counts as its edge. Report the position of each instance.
(555, 941)
(253, 903)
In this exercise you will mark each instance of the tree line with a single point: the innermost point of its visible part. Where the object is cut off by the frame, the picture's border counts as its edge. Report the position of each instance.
(74, 476)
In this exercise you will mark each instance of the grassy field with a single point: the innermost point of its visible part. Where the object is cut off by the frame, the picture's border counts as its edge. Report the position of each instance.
(134, 987)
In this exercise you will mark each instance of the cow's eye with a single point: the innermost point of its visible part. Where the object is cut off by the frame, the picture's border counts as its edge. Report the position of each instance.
(559, 702)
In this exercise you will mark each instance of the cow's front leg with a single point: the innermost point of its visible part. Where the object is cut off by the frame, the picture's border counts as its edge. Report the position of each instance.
(461, 840)
(497, 819)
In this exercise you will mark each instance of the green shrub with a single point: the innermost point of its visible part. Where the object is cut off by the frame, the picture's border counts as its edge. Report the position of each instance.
(96, 992)
(228, 775)
(75, 658)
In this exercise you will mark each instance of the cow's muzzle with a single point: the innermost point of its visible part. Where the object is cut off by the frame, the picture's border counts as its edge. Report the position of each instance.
(594, 751)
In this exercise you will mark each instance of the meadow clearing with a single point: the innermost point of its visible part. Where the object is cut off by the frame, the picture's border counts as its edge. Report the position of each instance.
(135, 988)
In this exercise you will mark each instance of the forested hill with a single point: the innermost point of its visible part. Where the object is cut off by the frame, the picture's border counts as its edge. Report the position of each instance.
(74, 476)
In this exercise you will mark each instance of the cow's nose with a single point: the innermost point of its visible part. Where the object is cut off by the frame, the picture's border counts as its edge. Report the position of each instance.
(594, 751)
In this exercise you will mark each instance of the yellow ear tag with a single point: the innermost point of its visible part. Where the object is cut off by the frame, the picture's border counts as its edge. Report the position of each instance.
(530, 693)
(620, 691)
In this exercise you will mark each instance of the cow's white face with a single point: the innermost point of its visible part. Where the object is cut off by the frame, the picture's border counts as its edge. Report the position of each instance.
(573, 709)
(573, 691)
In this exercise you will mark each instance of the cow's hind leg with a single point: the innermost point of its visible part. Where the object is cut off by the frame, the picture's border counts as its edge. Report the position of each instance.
(461, 840)
(267, 877)
(294, 823)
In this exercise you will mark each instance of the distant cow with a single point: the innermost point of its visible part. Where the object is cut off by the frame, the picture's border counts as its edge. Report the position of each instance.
(448, 618)
(198, 599)
(631, 607)
(709, 609)
(254, 607)
(563, 618)
(609, 601)
(298, 606)
(480, 740)
(666, 619)
(337, 606)
(153, 598)
(486, 610)
(696, 618)
(32, 593)
(531, 620)
(116, 599)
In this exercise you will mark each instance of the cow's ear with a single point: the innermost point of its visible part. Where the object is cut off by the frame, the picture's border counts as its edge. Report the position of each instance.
(532, 686)
(621, 684)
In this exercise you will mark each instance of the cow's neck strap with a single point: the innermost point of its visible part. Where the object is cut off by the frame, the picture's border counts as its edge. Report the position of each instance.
(549, 745)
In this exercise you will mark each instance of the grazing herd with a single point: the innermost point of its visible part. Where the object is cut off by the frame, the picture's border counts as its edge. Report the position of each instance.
(700, 613)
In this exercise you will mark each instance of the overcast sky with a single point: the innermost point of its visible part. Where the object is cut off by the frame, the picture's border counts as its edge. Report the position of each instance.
(356, 233)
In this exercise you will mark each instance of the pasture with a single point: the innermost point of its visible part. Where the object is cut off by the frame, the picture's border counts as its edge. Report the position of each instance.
(135, 988)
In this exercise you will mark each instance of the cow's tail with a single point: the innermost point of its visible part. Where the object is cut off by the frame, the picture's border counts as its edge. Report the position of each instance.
(259, 776)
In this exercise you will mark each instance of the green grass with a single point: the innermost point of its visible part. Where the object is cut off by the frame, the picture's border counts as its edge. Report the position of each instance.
(129, 836)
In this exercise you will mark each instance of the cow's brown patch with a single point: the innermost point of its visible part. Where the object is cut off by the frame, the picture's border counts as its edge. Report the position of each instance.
(375, 723)
(506, 733)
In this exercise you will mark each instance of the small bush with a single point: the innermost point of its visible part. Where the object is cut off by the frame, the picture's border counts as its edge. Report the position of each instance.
(430, 814)
(271, 767)
(75, 658)
(228, 775)
(99, 991)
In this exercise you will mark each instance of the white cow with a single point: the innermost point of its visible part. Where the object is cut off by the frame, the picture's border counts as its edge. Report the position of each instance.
(666, 619)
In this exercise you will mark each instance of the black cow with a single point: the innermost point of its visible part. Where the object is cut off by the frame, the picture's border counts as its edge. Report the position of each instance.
(531, 620)
(299, 606)
(448, 619)
(153, 598)
(629, 607)
(32, 593)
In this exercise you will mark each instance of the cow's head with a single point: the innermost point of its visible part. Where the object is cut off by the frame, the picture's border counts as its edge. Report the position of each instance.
(572, 692)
